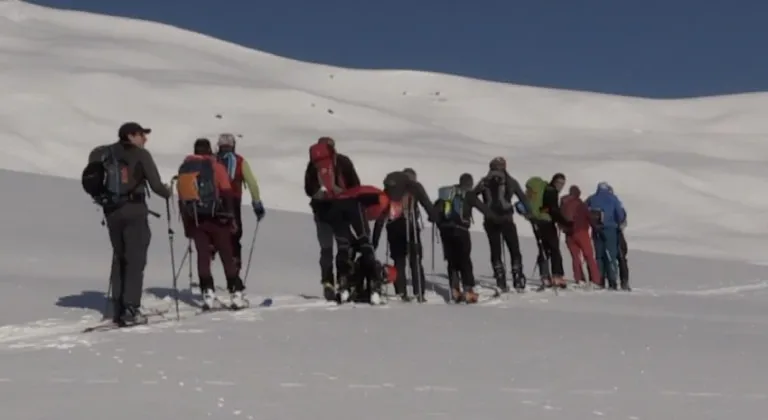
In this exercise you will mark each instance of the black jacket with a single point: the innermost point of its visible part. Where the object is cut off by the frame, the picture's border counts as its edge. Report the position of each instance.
(497, 189)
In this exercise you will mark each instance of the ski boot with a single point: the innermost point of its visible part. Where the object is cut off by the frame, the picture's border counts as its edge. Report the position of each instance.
(404, 298)
(470, 296)
(546, 283)
(238, 301)
(559, 282)
(209, 299)
(501, 279)
(329, 291)
(131, 316)
(518, 279)
(625, 285)
(456, 295)
(343, 294)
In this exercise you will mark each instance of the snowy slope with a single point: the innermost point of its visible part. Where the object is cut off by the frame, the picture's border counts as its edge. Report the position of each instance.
(678, 347)
(686, 344)
(70, 78)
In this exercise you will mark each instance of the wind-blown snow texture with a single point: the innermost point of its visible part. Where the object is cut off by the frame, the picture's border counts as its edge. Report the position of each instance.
(687, 344)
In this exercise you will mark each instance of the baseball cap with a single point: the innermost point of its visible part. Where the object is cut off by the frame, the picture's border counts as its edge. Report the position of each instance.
(131, 128)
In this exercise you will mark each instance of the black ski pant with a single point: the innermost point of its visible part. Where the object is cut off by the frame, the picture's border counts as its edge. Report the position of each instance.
(457, 244)
(325, 239)
(352, 234)
(404, 238)
(623, 267)
(130, 237)
(506, 232)
(549, 249)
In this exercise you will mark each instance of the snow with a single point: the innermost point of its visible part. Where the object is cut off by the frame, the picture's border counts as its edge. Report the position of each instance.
(686, 344)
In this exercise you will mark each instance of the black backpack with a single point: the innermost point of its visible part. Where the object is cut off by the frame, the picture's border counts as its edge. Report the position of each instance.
(108, 180)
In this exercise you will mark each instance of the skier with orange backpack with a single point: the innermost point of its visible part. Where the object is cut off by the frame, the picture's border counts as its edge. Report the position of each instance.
(206, 207)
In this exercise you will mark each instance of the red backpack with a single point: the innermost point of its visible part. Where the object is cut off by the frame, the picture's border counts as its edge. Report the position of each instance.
(323, 157)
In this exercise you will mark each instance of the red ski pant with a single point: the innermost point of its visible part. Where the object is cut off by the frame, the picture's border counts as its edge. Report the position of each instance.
(580, 245)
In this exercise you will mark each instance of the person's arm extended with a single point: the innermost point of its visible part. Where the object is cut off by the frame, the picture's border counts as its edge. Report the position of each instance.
(250, 181)
(152, 175)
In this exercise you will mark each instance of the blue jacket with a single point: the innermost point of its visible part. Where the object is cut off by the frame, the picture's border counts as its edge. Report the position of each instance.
(604, 199)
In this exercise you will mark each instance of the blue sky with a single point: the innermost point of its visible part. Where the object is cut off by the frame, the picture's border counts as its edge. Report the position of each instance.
(651, 48)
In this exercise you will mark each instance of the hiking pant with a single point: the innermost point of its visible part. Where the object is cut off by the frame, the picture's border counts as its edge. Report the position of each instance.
(458, 244)
(405, 244)
(607, 252)
(212, 233)
(623, 267)
(352, 234)
(506, 231)
(237, 245)
(580, 245)
(549, 249)
(130, 237)
(325, 239)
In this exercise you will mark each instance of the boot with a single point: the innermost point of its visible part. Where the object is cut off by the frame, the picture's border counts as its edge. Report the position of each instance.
(238, 300)
(625, 286)
(501, 278)
(470, 296)
(132, 315)
(559, 281)
(209, 299)
(518, 278)
(456, 295)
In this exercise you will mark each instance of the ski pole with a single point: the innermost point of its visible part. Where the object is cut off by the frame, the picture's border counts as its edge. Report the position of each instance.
(250, 254)
(189, 252)
(173, 258)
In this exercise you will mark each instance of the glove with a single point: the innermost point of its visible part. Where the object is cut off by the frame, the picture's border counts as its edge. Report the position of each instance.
(258, 209)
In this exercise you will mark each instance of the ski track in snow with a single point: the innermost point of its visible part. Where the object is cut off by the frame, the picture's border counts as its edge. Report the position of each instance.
(687, 343)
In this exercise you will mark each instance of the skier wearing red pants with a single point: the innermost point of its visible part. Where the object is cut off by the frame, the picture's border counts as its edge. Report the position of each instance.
(577, 237)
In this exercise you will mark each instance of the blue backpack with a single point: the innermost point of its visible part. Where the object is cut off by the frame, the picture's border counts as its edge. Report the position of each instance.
(452, 199)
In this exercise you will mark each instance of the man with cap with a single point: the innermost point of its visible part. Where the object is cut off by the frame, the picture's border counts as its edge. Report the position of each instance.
(402, 219)
(126, 215)
(240, 175)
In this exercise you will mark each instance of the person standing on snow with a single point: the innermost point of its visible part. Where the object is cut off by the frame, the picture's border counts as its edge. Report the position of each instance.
(127, 167)
(454, 219)
(577, 238)
(497, 189)
(328, 174)
(607, 215)
(402, 218)
(240, 175)
(545, 216)
(209, 221)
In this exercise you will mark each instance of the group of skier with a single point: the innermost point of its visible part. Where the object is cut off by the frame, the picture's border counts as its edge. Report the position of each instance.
(343, 210)
(209, 185)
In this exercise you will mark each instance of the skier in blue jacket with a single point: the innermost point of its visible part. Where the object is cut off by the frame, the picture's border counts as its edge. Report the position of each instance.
(608, 215)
